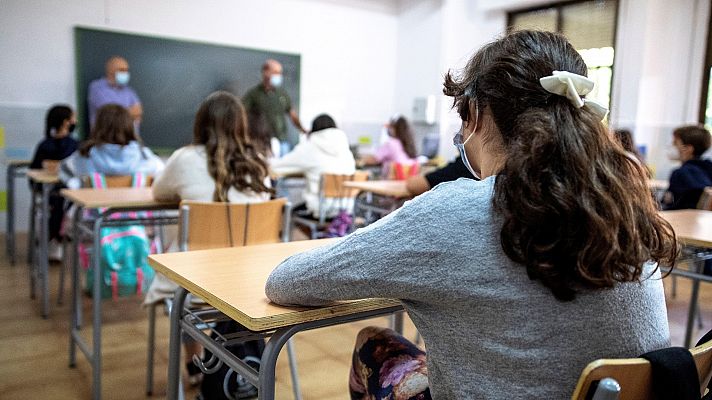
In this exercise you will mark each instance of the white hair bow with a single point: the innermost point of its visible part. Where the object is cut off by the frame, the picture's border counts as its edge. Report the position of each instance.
(573, 86)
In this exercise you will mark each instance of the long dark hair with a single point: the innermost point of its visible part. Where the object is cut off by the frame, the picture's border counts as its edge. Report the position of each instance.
(321, 122)
(113, 125)
(221, 125)
(577, 211)
(404, 133)
(56, 117)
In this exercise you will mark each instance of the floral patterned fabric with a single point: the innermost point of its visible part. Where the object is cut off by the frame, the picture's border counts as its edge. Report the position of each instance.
(386, 366)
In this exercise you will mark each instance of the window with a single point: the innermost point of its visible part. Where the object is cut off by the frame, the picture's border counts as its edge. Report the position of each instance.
(706, 98)
(590, 26)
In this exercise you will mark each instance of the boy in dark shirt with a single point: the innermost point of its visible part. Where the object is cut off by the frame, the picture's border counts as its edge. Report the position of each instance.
(689, 181)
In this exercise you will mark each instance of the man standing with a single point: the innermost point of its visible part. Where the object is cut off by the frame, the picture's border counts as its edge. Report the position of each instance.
(114, 89)
(269, 99)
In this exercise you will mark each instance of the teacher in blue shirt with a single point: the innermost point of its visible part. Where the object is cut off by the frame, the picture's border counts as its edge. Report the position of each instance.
(114, 89)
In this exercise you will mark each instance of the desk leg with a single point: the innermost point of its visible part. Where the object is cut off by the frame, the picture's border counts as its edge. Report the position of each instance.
(31, 258)
(268, 364)
(74, 299)
(174, 345)
(398, 322)
(10, 215)
(699, 266)
(96, 302)
(43, 255)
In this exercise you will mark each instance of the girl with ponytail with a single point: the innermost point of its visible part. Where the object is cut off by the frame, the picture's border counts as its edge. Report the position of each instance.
(546, 264)
(221, 164)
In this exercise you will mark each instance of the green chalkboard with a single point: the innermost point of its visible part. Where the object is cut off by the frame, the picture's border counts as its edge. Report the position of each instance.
(172, 77)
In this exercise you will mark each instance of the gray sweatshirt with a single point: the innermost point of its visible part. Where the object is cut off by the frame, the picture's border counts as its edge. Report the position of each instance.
(490, 331)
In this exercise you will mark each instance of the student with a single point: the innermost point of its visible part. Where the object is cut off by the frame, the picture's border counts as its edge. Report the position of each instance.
(324, 151)
(399, 148)
(518, 281)
(422, 183)
(220, 165)
(688, 182)
(57, 145)
(112, 149)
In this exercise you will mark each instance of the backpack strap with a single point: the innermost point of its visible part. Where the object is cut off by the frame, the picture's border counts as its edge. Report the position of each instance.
(139, 280)
(98, 181)
(139, 180)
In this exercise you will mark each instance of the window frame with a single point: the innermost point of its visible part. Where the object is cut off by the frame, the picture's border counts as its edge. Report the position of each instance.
(560, 5)
(704, 90)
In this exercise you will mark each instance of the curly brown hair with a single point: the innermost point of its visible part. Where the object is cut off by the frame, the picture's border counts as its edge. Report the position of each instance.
(577, 211)
(113, 125)
(221, 125)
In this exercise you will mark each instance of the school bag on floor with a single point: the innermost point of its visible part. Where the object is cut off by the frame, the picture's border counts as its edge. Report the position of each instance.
(226, 384)
(123, 254)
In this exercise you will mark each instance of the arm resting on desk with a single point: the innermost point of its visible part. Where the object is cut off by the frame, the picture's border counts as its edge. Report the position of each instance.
(396, 257)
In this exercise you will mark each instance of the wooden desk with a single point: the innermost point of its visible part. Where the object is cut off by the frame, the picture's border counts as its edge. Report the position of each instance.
(131, 201)
(38, 257)
(389, 188)
(115, 198)
(15, 169)
(233, 281)
(693, 228)
(42, 176)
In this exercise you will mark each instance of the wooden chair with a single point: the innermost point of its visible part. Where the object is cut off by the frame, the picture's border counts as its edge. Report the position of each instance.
(634, 376)
(115, 181)
(331, 186)
(208, 225)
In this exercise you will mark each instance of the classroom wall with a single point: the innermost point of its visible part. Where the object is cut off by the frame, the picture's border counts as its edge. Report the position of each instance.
(348, 51)
(658, 71)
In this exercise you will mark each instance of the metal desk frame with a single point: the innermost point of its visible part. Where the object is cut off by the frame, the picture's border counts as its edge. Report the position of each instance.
(183, 321)
(38, 260)
(92, 228)
(15, 169)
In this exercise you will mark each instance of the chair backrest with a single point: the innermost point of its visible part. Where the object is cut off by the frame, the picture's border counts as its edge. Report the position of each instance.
(207, 225)
(332, 185)
(115, 181)
(634, 375)
(705, 202)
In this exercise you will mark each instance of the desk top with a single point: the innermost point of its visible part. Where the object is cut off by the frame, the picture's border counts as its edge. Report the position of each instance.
(114, 197)
(19, 163)
(385, 188)
(233, 281)
(693, 227)
(42, 176)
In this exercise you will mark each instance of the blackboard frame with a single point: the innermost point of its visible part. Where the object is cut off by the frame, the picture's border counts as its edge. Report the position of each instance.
(172, 76)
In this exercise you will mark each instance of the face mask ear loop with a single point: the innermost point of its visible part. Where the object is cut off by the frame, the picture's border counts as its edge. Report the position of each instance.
(477, 121)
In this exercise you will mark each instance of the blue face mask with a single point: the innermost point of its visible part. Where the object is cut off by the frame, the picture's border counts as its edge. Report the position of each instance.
(460, 144)
(122, 78)
(275, 80)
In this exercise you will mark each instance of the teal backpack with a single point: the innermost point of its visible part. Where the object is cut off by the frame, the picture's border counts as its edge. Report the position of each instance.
(123, 254)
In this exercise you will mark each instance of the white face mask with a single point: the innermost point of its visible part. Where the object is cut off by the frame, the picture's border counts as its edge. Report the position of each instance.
(460, 144)
(672, 154)
(122, 78)
(276, 80)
